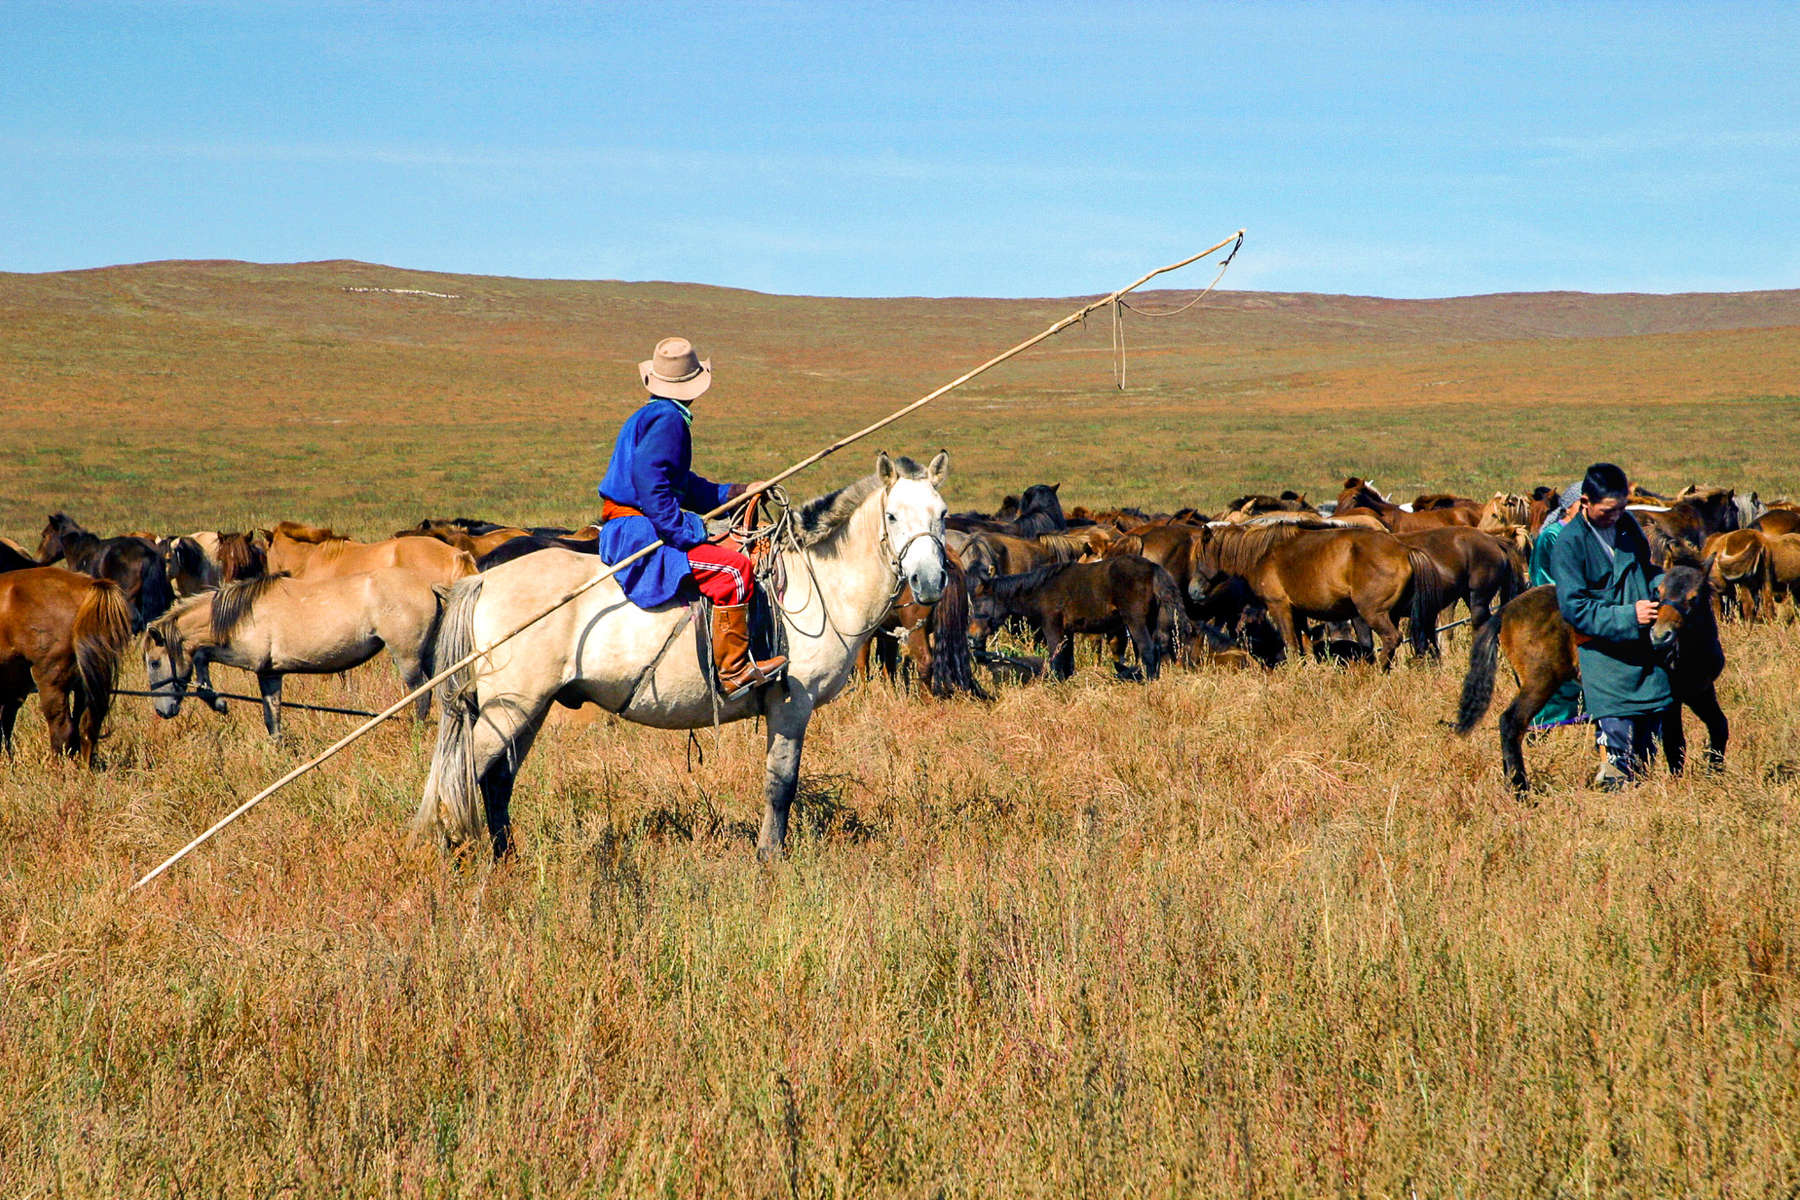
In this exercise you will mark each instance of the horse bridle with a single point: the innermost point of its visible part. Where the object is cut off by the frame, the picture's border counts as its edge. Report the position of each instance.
(894, 561)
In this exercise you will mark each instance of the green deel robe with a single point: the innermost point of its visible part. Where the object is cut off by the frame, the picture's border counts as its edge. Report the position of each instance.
(1622, 674)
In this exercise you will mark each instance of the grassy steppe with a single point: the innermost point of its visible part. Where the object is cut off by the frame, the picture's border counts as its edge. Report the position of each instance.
(1222, 934)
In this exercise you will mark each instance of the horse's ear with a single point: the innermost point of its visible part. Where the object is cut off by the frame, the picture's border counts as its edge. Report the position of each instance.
(1055, 486)
(939, 468)
(884, 467)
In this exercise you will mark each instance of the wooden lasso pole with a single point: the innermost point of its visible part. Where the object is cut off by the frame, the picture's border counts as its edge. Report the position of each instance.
(356, 734)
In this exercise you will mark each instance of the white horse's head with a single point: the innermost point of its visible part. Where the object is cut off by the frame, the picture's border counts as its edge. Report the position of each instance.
(913, 523)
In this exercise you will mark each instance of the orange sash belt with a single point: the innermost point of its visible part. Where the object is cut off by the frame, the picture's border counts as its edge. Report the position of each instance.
(612, 510)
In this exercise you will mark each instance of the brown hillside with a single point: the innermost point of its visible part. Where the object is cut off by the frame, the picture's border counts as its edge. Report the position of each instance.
(272, 391)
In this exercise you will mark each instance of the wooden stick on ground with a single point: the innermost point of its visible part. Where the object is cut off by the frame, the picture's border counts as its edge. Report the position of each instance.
(356, 734)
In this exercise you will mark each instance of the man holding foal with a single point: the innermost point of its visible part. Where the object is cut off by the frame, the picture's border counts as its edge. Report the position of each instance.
(1605, 584)
(651, 494)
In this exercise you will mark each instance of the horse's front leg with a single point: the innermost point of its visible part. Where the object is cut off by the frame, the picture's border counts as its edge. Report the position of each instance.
(787, 718)
(269, 684)
(1674, 739)
(203, 688)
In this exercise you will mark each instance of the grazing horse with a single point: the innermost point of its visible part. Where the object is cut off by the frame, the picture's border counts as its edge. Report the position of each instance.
(1540, 645)
(133, 563)
(1475, 567)
(62, 634)
(277, 625)
(1120, 597)
(852, 551)
(1739, 562)
(306, 552)
(1038, 512)
(1359, 498)
(1327, 574)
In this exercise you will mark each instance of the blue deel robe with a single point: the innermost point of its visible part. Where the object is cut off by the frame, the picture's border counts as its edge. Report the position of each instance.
(650, 471)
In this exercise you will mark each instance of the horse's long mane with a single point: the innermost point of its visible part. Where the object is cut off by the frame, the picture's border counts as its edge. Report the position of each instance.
(1236, 549)
(1064, 545)
(317, 535)
(822, 518)
(233, 602)
(240, 557)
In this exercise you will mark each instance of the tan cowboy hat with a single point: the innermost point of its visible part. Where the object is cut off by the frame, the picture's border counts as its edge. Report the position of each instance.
(675, 371)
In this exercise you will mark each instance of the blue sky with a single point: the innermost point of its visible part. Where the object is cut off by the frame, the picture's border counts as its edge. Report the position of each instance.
(916, 148)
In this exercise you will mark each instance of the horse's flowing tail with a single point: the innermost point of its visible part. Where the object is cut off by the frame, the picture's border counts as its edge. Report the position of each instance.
(452, 806)
(100, 632)
(1173, 628)
(1518, 567)
(1427, 601)
(1478, 684)
(952, 666)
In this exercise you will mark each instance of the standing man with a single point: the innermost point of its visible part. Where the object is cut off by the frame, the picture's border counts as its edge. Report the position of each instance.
(1605, 581)
(650, 493)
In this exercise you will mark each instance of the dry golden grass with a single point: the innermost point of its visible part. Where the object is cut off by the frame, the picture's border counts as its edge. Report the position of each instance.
(1222, 934)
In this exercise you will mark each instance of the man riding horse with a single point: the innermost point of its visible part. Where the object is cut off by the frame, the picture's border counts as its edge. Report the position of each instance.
(650, 493)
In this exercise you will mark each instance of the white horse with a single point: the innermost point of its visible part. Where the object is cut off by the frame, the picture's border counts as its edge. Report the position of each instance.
(855, 549)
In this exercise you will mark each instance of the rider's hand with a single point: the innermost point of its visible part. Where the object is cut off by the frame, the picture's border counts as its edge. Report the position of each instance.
(1646, 612)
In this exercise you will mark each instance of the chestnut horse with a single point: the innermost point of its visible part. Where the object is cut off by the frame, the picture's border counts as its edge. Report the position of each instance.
(1540, 645)
(62, 634)
(1326, 574)
(936, 636)
(1476, 568)
(1359, 498)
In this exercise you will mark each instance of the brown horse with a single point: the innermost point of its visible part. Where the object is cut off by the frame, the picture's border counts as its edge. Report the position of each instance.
(476, 537)
(14, 558)
(1781, 561)
(1118, 598)
(1540, 645)
(306, 552)
(1778, 521)
(1358, 498)
(1326, 574)
(132, 562)
(936, 637)
(1475, 568)
(1739, 563)
(1695, 515)
(62, 635)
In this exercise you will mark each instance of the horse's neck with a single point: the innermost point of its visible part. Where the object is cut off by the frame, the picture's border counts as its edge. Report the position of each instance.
(854, 584)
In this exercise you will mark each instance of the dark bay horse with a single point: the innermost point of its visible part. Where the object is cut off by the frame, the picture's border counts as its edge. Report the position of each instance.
(1327, 574)
(62, 635)
(134, 563)
(14, 558)
(1540, 645)
(1117, 598)
(1696, 514)
(936, 637)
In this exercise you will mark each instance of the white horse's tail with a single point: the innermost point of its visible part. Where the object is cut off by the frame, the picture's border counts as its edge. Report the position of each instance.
(452, 807)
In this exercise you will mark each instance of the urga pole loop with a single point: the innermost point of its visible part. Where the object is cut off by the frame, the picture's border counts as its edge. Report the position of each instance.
(356, 734)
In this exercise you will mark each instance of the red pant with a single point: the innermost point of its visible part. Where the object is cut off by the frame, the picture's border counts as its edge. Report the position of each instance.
(723, 574)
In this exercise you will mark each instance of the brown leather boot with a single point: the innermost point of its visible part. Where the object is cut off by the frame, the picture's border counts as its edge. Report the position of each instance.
(738, 673)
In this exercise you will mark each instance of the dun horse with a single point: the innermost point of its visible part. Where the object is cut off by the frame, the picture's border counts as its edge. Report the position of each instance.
(1540, 645)
(62, 635)
(276, 626)
(855, 549)
(309, 553)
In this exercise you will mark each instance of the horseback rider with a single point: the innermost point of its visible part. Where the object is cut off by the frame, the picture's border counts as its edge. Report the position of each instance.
(650, 494)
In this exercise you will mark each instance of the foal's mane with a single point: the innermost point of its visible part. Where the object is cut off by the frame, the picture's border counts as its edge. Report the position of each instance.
(822, 518)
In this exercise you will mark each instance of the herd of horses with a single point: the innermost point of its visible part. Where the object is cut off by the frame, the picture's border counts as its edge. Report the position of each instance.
(1267, 578)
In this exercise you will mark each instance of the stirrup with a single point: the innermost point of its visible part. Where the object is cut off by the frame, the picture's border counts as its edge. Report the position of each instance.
(760, 674)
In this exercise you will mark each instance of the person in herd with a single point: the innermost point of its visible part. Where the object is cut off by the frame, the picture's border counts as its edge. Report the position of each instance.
(1605, 580)
(1563, 708)
(650, 493)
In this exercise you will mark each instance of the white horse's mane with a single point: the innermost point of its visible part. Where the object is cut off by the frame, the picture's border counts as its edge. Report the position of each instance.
(823, 517)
